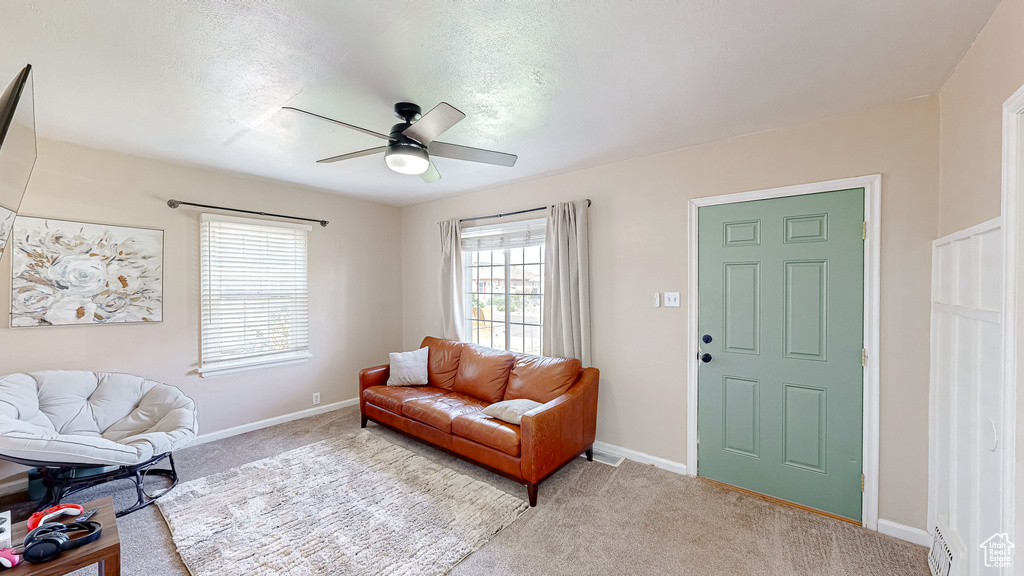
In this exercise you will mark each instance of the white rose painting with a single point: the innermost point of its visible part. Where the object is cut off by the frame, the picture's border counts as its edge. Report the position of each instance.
(75, 273)
(6, 223)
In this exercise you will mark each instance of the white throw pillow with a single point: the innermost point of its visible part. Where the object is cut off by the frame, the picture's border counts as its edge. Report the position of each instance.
(409, 368)
(511, 411)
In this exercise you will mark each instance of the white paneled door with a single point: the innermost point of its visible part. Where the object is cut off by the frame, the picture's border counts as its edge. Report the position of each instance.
(967, 461)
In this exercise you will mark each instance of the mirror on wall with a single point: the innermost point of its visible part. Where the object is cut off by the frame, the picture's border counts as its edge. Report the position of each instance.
(17, 148)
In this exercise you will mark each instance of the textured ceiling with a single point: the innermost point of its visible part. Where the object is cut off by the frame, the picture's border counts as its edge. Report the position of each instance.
(564, 85)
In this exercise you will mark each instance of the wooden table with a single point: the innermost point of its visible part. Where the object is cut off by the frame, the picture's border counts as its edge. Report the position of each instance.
(106, 552)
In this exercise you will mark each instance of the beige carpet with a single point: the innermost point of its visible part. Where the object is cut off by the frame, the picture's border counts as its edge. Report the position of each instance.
(355, 505)
(591, 519)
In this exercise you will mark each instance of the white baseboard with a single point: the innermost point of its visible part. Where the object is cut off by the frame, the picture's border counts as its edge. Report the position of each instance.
(242, 429)
(904, 532)
(12, 486)
(640, 457)
(887, 527)
(20, 485)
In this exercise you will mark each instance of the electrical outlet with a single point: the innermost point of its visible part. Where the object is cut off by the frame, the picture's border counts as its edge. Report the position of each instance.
(316, 399)
(672, 299)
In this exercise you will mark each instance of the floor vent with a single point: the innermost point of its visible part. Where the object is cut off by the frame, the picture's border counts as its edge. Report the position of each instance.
(606, 458)
(945, 554)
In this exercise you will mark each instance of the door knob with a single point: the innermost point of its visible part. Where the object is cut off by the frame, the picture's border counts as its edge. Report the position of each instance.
(706, 338)
(705, 357)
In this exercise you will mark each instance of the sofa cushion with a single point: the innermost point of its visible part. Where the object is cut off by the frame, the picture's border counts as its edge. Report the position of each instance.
(511, 411)
(483, 372)
(442, 361)
(488, 431)
(408, 368)
(540, 378)
(99, 418)
(439, 411)
(391, 398)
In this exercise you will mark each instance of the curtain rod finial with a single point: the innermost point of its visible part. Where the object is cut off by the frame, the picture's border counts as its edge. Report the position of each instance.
(173, 203)
(324, 223)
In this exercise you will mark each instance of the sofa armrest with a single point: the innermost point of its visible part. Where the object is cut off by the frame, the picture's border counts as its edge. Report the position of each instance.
(376, 376)
(560, 430)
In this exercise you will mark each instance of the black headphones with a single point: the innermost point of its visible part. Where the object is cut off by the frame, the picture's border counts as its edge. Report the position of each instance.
(48, 541)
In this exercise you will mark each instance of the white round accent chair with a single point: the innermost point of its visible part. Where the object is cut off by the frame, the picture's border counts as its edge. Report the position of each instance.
(61, 421)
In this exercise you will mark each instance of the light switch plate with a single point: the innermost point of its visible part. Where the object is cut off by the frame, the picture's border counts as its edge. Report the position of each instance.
(657, 299)
(672, 299)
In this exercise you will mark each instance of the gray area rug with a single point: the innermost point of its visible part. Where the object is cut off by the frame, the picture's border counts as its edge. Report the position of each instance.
(354, 505)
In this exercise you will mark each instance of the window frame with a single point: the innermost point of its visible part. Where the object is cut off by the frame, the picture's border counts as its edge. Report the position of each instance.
(472, 289)
(215, 367)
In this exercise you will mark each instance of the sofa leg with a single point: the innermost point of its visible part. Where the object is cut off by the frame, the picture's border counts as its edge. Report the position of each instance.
(531, 491)
(590, 454)
(363, 423)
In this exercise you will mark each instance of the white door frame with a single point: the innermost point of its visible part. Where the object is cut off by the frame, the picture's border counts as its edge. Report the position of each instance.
(1013, 214)
(872, 186)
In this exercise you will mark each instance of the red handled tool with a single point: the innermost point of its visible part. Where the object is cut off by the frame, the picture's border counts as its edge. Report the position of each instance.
(50, 513)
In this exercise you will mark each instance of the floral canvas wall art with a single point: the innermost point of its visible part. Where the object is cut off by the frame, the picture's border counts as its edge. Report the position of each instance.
(6, 224)
(77, 273)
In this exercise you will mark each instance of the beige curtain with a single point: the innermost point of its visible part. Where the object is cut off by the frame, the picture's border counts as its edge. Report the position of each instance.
(566, 330)
(452, 308)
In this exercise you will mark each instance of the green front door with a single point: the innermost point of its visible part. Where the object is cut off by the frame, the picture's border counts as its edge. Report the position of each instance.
(781, 289)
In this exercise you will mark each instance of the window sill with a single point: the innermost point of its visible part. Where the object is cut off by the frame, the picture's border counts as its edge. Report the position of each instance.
(241, 365)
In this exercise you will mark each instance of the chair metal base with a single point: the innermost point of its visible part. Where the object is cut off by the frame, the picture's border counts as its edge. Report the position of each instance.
(60, 482)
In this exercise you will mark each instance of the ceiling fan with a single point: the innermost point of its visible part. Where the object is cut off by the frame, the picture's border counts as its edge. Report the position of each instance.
(411, 141)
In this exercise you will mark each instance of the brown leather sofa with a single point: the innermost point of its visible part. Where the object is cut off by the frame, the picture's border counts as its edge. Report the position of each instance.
(463, 380)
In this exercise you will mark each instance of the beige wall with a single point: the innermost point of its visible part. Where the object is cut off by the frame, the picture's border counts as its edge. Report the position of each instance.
(354, 274)
(638, 246)
(971, 120)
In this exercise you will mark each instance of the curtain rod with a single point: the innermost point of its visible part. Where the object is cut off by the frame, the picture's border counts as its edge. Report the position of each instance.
(176, 203)
(513, 213)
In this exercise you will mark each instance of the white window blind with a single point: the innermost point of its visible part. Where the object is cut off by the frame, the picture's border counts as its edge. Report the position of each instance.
(254, 293)
(501, 236)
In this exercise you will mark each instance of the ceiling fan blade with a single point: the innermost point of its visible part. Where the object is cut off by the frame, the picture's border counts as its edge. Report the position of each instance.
(340, 123)
(446, 150)
(431, 175)
(434, 123)
(366, 152)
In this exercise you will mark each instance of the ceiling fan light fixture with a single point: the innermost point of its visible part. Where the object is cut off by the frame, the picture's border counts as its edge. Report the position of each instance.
(406, 150)
(406, 158)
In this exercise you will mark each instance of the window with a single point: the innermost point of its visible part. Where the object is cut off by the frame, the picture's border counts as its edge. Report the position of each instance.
(505, 285)
(254, 294)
